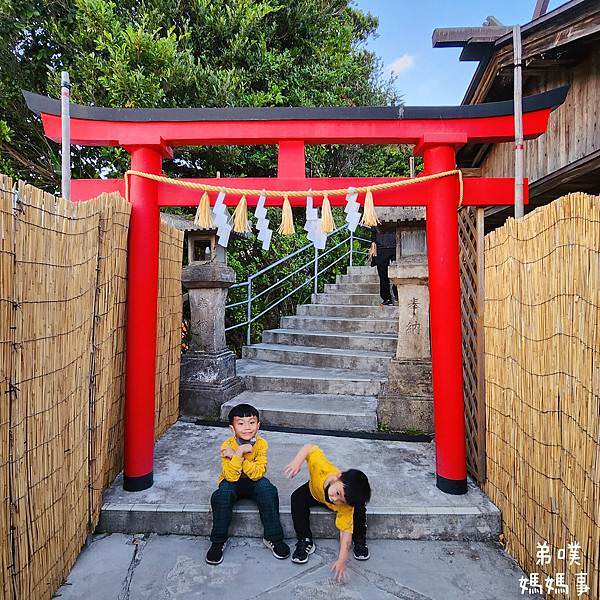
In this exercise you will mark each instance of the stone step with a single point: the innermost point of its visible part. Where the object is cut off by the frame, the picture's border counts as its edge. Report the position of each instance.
(371, 278)
(264, 376)
(341, 324)
(361, 360)
(350, 299)
(328, 339)
(360, 270)
(348, 311)
(310, 411)
(412, 522)
(405, 502)
(352, 288)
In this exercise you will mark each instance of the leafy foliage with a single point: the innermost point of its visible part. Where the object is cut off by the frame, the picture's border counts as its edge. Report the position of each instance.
(170, 53)
(177, 53)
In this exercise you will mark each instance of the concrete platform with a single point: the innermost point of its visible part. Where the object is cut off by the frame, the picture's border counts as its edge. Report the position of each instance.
(405, 502)
(173, 568)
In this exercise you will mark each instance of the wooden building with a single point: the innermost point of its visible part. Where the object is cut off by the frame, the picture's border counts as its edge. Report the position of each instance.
(561, 47)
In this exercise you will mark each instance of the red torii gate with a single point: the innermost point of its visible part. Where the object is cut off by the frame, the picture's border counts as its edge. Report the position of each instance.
(149, 135)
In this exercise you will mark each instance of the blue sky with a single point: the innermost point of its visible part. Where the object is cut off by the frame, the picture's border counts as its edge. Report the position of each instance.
(428, 76)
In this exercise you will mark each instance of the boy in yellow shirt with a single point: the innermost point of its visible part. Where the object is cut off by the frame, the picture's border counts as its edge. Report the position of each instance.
(344, 492)
(243, 466)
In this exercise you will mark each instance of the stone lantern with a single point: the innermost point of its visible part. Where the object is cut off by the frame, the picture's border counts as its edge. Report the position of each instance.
(208, 375)
(202, 247)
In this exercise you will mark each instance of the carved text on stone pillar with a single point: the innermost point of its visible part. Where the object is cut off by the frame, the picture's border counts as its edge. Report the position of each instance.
(414, 327)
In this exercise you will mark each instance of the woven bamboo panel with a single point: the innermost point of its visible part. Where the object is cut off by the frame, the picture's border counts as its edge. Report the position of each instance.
(62, 353)
(168, 343)
(542, 385)
(470, 236)
(108, 367)
(6, 341)
(56, 253)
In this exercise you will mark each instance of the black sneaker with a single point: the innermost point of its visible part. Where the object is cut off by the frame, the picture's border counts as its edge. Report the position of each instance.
(279, 549)
(304, 548)
(387, 303)
(361, 551)
(214, 556)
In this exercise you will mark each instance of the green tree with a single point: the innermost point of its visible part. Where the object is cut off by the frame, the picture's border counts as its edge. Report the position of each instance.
(175, 53)
(178, 53)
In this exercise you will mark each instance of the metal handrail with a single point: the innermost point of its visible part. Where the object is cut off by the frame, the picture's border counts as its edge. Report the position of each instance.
(313, 278)
(282, 280)
(337, 260)
(297, 288)
(292, 254)
(277, 302)
(236, 303)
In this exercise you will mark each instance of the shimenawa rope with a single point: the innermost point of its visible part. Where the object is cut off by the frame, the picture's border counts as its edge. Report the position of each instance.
(369, 215)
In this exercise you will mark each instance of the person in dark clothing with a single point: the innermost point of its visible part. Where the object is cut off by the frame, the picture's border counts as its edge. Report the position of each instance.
(382, 252)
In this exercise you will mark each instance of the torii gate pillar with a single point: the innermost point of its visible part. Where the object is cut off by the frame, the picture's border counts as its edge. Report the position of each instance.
(142, 301)
(445, 322)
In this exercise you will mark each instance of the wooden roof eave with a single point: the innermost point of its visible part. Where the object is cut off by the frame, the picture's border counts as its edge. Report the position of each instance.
(567, 24)
(573, 22)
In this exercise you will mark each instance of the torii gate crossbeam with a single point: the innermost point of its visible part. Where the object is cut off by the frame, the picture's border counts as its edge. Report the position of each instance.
(149, 134)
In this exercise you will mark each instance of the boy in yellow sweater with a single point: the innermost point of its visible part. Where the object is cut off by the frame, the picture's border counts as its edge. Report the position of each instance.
(243, 466)
(344, 492)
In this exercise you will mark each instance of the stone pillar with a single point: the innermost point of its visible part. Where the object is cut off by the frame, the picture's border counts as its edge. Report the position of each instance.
(409, 275)
(407, 399)
(208, 376)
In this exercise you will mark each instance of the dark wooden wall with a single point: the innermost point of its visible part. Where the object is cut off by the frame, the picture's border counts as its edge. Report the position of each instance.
(573, 131)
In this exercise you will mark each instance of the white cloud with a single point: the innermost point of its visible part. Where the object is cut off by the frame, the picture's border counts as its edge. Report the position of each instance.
(401, 64)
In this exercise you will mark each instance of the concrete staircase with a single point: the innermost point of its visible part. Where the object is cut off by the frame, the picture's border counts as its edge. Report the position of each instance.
(323, 368)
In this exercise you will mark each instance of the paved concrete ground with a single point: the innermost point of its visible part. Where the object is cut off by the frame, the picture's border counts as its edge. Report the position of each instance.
(122, 567)
(405, 503)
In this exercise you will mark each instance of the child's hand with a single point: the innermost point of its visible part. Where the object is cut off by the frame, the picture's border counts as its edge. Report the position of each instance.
(227, 452)
(245, 449)
(339, 570)
(292, 469)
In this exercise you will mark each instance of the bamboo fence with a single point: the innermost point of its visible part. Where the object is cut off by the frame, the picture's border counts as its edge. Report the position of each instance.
(7, 255)
(542, 286)
(62, 348)
(108, 367)
(168, 351)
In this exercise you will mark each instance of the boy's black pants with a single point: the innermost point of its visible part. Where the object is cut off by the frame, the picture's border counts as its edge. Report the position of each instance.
(302, 500)
(261, 491)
